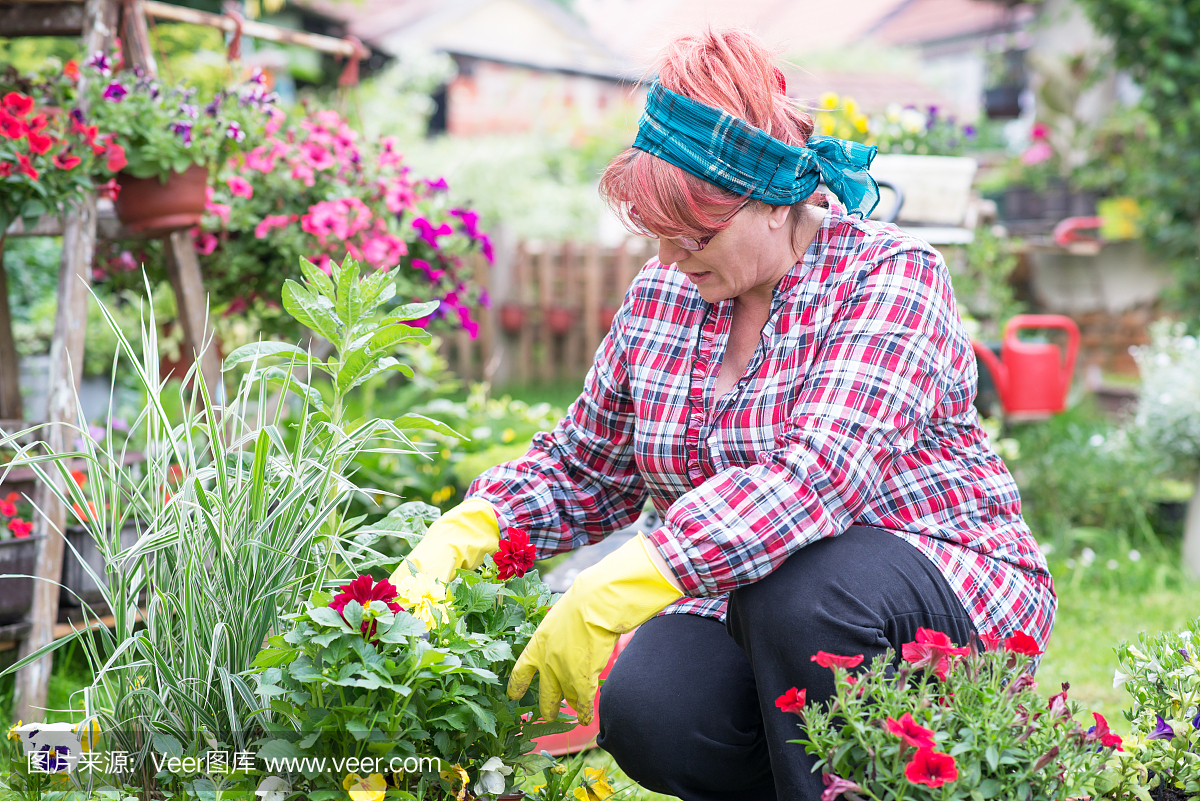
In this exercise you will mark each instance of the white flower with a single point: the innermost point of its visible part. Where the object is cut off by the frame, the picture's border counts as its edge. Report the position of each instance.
(1096, 440)
(491, 777)
(273, 788)
(1046, 548)
(1112, 564)
(1134, 555)
(1087, 556)
(1119, 679)
(1070, 564)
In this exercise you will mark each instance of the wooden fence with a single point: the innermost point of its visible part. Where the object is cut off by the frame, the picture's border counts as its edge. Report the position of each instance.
(552, 304)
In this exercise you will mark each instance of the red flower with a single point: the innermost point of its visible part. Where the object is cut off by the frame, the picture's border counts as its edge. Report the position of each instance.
(827, 660)
(792, 701)
(911, 732)
(65, 161)
(515, 555)
(114, 156)
(1057, 705)
(991, 642)
(1102, 733)
(932, 768)
(109, 189)
(89, 132)
(20, 528)
(71, 70)
(932, 649)
(1022, 643)
(8, 508)
(38, 124)
(364, 589)
(5, 169)
(24, 166)
(79, 477)
(18, 104)
(39, 143)
(10, 126)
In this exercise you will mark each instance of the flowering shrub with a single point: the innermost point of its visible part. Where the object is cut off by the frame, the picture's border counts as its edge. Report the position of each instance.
(897, 130)
(1162, 674)
(314, 187)
(948, 723)
(165, 130)
(1168, 414)
(48, 158)
(411, 671)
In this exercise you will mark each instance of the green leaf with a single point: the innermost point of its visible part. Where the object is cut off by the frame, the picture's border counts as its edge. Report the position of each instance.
(309, 312)
(535, 730)
(262, 350)
(419, 422)
(992, 755)
(317, 277)
(327, 617)
(353, 613)
(166, 744)
(279, 749)
(387, 337)
(411, 311)
(349, 298)
(403, 627)
(284, 378)
(359, 730)
(273, 657)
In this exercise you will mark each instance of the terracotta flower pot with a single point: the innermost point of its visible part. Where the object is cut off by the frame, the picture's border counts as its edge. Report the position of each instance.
(148, 206)
(512, 318)
(560, 319)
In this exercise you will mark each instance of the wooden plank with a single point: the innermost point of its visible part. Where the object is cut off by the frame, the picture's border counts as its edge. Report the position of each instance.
(10, 363)
(545, 295)
(107, 225)
(593, 297)
(183, 270)
(487, 321)
(66, 372)
(523, 293)
(41, 19)
(257, 30)
(135, 44)
(573, 297)
(66, 368)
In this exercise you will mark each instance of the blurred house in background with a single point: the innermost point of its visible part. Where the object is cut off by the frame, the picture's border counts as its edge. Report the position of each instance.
(522, 65)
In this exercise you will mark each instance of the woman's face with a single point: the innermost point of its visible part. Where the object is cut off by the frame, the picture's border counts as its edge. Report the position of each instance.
(748, 257)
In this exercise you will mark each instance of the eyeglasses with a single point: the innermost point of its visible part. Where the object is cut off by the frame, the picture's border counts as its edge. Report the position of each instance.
(695, 244)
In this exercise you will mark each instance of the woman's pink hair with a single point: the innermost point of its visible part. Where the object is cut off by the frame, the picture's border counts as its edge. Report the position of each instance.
(728, 69)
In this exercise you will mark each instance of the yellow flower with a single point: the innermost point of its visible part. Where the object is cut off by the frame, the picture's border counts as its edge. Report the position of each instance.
(89, 735)
(13, 734)
(595, 786)
(861, 122)
(371, 788)
(537, 788)
(850, 106)
(829, 100)
(442, 495)
(508, 435)
(456, 775)
(422, 596)
(826, 122)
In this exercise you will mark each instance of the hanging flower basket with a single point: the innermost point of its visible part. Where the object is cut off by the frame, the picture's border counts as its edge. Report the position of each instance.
(605, 315)
(18, 557)
(512, 318)
(149, 206)
(560, 319)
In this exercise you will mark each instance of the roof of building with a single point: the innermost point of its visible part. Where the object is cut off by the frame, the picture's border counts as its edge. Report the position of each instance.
(917, 22)
(536, 33)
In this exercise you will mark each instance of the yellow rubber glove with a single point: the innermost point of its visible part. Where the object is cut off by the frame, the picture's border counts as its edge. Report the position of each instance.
(458, 540)
(575, 640)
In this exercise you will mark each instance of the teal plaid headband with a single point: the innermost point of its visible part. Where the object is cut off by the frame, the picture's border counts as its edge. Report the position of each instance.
(729, 152)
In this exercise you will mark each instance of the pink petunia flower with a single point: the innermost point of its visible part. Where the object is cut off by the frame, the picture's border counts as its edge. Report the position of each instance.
(317, 157)
(430, 234)
(384, 251)
(203, 241)
(273, 222)
(239, 187)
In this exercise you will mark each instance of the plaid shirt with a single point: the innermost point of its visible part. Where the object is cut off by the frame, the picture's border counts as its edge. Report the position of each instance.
(856, 408)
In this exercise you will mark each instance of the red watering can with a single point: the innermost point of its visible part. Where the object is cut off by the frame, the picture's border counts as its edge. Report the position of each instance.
(1032, 378)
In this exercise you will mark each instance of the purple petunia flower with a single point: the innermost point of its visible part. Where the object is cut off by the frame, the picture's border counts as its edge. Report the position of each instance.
(1162, 731)
(99, 62)
(115, 92)
(1196, 719)
(439, 185)
(235, 132)
(212, 108)
(189, 111)
(77, 115)
(257, 76)
(183, 130)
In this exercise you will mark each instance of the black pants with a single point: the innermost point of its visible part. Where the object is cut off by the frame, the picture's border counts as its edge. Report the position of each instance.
(689, 707)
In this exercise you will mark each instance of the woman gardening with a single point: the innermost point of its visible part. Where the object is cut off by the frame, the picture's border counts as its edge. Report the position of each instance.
(791, 386)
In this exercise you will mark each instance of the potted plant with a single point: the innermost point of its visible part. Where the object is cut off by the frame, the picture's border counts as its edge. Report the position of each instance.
(948, 722)
(18, 556)
(171, 138)
(512, 318)
(560, 319)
